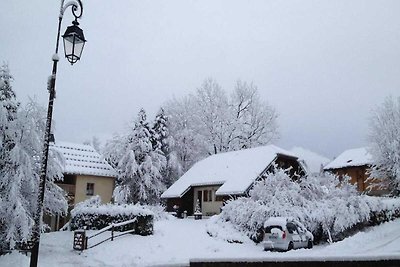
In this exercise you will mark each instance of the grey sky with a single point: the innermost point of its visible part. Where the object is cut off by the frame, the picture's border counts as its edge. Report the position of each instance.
(322, 64)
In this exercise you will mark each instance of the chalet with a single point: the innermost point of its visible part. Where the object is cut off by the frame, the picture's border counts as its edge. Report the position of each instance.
(219, 177)
(355, 163)
(86, 174)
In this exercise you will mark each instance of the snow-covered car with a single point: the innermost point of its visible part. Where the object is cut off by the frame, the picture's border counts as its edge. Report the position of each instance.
(283, 234)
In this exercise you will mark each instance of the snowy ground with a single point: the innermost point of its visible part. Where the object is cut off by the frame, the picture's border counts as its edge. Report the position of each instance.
(176, 241)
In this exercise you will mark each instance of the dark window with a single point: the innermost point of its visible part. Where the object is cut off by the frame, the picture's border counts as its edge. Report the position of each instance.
(205, 195)
(219, 198)
(292, 229)
(89, 189)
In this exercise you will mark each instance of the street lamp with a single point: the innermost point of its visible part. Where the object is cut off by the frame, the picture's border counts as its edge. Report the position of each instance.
(74, 42)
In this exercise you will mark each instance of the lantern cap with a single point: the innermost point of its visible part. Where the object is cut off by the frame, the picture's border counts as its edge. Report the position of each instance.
(74, 30)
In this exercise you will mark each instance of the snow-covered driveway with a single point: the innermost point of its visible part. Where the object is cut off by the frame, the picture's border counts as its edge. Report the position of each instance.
(176, 241)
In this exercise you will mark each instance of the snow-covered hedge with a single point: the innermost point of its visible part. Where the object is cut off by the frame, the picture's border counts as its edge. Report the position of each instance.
(95, 216)
(327, 209)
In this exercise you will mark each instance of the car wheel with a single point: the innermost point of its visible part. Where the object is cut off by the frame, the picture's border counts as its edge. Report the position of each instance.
(309, 244)
(290, 247)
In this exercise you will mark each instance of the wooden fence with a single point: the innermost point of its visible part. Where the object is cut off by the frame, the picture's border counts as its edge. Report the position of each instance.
(81, 240)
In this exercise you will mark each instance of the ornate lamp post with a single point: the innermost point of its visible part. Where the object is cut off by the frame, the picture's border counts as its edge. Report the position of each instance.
(74, 42)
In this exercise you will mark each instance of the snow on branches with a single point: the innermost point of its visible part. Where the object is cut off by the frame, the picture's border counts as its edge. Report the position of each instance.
(21, 143)
(321, 203)
(143, 160)
(384, 137)
(211, 121)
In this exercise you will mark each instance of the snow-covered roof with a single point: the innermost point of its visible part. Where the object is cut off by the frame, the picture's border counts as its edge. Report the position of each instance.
(313, 161)
(83, 160)
(351, 158)
(235, 171)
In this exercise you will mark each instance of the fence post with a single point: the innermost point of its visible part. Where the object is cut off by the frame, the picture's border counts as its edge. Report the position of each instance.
(112, 232)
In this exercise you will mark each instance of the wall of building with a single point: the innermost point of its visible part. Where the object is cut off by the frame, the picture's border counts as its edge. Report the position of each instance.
(359, 176)
(209, 205)
(103, 186)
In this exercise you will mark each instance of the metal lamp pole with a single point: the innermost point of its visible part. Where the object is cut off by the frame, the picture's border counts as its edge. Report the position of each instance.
(73, 45)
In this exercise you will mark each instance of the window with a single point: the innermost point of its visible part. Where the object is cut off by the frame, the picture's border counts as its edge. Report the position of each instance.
(208, 196)
(89, 189)
(292, 229)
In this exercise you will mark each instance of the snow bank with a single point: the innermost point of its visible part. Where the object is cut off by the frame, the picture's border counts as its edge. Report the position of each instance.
(14, 259)
(225, 231)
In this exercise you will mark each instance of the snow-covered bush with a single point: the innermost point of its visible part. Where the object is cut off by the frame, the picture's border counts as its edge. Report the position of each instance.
(93, 215)
(158, 211)
(326, 206)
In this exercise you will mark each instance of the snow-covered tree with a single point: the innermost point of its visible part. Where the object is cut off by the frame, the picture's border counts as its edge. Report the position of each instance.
(322, 202)
(95, 143)
(255, 121)
(210, 121)
(7, 95)
(188, 142)
(21, 146)
(138, 163)
(384, 138)
(162, 140)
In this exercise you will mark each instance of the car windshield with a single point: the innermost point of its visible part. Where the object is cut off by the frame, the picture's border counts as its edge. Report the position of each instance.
(269, 228)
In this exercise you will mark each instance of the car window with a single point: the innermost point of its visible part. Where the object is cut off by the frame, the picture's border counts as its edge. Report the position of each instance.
(292, 229)
(269, 228)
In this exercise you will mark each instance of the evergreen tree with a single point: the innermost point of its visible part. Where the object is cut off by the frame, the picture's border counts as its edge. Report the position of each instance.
(7, 95)
(163, 141)
(139, 165)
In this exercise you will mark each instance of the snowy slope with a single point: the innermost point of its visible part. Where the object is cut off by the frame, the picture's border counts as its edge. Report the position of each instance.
(171, 244)
(350, 158)
(235, 170)
(313, 160)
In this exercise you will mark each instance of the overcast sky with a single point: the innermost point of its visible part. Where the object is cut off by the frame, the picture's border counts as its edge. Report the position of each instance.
(322, 64)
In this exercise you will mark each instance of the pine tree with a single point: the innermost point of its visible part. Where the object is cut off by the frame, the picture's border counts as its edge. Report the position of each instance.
(7, 95)
(163, 141)
(139, 166)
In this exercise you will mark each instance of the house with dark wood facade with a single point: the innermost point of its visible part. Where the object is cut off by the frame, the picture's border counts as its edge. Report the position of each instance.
(219, 177)
(355, 163)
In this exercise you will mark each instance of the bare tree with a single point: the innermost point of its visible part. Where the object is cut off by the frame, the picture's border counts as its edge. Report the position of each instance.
(209, 122)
